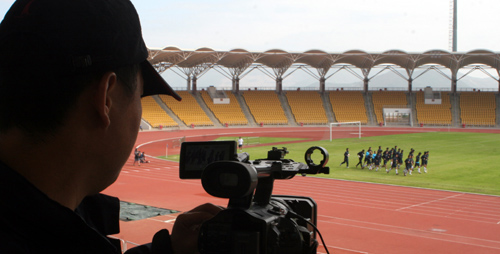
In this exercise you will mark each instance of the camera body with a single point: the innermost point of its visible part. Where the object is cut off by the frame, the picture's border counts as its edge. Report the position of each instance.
(255, 221)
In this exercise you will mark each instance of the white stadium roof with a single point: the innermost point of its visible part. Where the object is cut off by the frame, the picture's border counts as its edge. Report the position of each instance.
(195, 62)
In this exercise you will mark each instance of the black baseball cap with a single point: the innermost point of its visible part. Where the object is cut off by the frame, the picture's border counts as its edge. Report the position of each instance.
(76, 36)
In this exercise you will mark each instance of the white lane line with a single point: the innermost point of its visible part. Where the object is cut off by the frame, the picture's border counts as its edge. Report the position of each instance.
(432, 201)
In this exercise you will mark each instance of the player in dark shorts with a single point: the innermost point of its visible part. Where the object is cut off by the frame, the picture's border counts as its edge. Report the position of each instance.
(425, 159)
(137, 157)
(408, 164)
(377, 159)
(369, 160)
(361, 154)
(395, 152)
(413, 156)
(367, 155)
(400, 157)
(142, 158)
(346, 158)
(394, 164)
(385, 157)
(417, 162)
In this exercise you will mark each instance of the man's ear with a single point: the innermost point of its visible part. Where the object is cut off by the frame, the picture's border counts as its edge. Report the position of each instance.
(105, 87)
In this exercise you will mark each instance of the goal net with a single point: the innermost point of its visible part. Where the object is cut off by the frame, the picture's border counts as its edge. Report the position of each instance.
(345, 130)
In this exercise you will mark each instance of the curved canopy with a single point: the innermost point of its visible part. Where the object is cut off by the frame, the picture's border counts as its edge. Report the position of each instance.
(277, 58)
(237, 60)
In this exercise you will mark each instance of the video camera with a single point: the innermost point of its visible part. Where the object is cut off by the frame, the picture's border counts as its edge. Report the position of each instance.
(255, 221)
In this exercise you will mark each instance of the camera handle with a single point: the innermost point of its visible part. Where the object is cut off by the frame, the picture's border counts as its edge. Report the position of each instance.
(262, 195)
(264, 191)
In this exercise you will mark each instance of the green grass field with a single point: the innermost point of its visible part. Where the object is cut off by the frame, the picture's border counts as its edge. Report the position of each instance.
(465, 162)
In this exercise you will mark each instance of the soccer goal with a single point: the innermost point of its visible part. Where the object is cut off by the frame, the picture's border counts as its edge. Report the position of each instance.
(354, 128)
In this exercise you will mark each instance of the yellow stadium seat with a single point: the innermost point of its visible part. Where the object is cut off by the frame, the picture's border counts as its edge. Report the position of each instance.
(230, 114)
(348, 106)
(188, 110)
(307, 107)
(155, 115)
(478, 108)
(265, 107)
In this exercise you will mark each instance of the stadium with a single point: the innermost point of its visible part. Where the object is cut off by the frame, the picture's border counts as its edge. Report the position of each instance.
(359, 211)
(341, 103)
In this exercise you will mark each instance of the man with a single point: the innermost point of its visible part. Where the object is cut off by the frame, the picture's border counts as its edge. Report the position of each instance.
(346, 158)
(369, 159)
(411, 153)
(408, 164)
(400, 156)
(137, 157)
(425, 159)
(386, 156)
(361, 154)
(240, 144)
(143, 158)
(72, 74)
(394, 164)
(367, 156)
(417, 162)
(377, 159)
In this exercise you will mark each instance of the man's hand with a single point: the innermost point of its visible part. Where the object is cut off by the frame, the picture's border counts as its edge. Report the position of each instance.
(187, 227)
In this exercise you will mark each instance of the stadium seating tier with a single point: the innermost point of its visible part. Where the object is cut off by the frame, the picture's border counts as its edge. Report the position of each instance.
(265, 107)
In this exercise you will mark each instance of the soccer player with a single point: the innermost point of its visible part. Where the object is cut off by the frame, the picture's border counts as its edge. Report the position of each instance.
(377, 159)
(411, 153)
(240, 144)
(137, 157)
(361, 154)
(367, 156)
(386, 156)
(143, 158)
(394, 164)
(369, 160)
(400, 157)
(346, 158)
(425, 159)
(417, 162)
(408, 164)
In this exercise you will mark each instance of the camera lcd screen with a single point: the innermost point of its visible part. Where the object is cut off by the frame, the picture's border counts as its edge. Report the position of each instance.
(195, 156)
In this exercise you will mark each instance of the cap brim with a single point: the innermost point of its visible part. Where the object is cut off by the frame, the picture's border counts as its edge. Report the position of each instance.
(154, 83)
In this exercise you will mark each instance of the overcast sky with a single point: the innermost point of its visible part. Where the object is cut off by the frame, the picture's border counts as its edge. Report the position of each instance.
(329, 25)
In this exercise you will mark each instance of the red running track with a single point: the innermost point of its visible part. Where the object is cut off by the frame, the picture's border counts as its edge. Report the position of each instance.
(353, 217)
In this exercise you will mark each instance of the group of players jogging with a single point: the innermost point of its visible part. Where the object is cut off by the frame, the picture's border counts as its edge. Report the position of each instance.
(390, 159)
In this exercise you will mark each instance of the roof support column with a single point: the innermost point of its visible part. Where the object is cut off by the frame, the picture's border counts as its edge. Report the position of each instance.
(194, 91)
(365, 84)
(454, 82)
(410, 85)
(189, 84)
(498, 72)
(279, 85)
(322, 86)
(236, 85)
